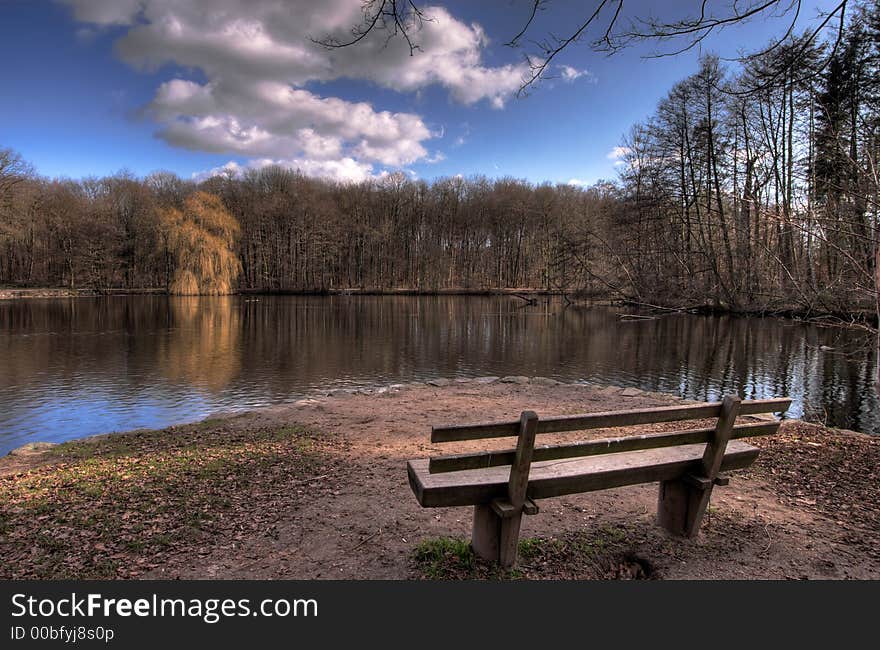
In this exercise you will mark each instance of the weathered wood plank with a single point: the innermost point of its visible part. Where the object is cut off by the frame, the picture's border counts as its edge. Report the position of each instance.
(509, 544)
(504, 508)
(603, 420)
(560, 477)
(516, 488)
(714, 452)
(758, 406)
(697, 481)
(486, 532)
(477, 460)
(673, 499)
(519, 469)
(713, 456)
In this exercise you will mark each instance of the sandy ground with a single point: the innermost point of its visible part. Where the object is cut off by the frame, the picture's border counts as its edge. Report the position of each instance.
(807, 509)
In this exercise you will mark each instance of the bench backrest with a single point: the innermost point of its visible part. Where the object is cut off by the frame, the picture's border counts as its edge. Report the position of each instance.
(530, 425)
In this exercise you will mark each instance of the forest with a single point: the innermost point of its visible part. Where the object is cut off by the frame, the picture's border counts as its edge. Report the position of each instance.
(751, 188)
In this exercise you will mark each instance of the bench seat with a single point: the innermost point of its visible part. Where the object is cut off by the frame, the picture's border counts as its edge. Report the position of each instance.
(555, 478)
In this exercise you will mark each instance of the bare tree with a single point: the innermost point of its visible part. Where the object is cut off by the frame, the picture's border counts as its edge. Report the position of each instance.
(607, 28)
(13, 170)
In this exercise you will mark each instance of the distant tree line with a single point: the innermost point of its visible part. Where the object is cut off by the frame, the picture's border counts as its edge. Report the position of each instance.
(755, 190)
(292, 233)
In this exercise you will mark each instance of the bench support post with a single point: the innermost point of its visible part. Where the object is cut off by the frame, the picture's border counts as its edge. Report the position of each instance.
(680, 507)
(486, 535)
(495, 534)
(682, 502)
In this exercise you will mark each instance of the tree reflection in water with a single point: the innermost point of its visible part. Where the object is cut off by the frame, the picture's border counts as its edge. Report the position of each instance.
(70, 368)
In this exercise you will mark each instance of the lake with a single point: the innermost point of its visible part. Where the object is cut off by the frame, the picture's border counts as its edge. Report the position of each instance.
(76, 367)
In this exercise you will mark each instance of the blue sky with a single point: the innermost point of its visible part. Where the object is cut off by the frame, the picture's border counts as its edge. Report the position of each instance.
(92, 87)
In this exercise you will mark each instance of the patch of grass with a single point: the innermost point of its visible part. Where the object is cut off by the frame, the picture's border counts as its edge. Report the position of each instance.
(442, 556)
(532, 547)
(111, 507)
(603, 553)
(447, 558)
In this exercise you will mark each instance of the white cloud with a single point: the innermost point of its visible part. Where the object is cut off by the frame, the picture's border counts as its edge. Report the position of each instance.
(618, 154)
(570, 74)
(579, 182)
(345, 170)
(257, 56)
(273, 119)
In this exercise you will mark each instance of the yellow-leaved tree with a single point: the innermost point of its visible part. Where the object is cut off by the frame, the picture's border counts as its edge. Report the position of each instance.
(200, 243)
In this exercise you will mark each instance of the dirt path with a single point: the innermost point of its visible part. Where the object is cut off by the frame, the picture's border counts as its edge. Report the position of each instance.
(359, 519)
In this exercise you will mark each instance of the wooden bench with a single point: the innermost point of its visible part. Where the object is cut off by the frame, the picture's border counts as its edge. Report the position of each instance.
(503, 485)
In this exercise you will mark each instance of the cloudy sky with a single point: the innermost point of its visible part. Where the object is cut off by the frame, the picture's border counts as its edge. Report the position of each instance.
(191, 86)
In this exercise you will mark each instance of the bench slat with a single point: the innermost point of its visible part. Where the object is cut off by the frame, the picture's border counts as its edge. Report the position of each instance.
(560, 477)
(477, 460)
(604, 420)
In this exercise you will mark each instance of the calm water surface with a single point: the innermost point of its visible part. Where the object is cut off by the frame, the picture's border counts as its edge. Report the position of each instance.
(75, 367)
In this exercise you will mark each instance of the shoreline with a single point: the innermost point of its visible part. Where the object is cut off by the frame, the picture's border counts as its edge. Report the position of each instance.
(609, 390)
(57, 292)
(318, 489)
(860, 319)
(39, 446)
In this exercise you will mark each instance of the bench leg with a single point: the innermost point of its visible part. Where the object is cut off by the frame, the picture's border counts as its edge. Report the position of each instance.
(486, 535)
(681, 506)
(509, 541)
(495, 538)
